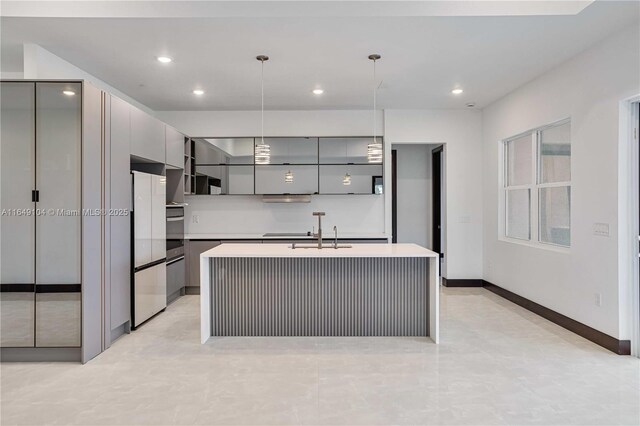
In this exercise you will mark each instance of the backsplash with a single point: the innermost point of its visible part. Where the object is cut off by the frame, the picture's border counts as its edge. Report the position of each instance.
(238, 214)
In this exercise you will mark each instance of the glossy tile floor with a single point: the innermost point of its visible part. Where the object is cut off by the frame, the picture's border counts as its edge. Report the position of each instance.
(497, 364)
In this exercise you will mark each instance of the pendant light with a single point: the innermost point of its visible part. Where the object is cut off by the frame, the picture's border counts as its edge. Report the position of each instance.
(346, 180)
(288, 177)
(374, 149)
(262, 150)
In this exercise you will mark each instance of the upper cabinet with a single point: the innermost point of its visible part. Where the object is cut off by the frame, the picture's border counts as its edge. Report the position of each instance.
(290, 150)
(288, 165)
(147, 136)
(174, 143)
(346, 150)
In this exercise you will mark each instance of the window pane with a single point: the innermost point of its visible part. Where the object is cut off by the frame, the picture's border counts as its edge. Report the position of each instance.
(519, 161)
(555, 215)
(518, 214)
(555, 154)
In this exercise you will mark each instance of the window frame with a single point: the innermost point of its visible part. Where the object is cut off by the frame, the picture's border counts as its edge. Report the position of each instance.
(534, 186)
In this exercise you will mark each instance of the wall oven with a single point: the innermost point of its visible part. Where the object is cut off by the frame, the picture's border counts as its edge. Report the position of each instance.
(176, 276)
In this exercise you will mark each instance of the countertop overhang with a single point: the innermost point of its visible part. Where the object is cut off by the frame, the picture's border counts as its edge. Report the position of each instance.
(266, 236)
(285, 250)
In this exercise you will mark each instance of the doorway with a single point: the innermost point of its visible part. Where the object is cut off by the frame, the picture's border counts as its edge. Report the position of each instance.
(436, 195)
(635, 144)
(414, 201)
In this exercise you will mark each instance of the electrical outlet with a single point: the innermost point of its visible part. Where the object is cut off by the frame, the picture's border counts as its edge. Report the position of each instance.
(601, 229)
(598, 299)
(195, 218)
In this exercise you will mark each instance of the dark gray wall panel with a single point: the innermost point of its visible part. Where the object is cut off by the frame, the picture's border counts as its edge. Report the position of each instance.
(319, 297)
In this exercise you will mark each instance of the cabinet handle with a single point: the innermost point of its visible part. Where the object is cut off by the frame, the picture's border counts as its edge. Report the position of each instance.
(35, 196)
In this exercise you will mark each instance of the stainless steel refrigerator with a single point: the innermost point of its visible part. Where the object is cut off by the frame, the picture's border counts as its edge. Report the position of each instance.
(149, 283)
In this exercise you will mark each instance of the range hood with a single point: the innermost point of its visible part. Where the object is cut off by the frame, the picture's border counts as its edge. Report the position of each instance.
(286, 198)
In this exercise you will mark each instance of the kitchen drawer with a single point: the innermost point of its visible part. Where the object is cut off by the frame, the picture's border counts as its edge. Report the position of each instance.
(58, 319)
(16, 319)
(175, 276)
(150, 292)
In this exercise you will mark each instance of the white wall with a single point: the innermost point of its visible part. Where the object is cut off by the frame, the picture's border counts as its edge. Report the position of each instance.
(237, 215)
(587, 88)
(276, 123)
(39, 63)
(461, 133)
(414, 183)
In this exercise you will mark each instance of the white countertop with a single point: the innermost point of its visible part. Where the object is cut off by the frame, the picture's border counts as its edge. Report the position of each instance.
(326, 236)
(285, 250)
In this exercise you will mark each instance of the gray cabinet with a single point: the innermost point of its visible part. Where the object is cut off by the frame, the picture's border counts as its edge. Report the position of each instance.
(291, 150)
(349, 178)
(176, 277)
(17, 180)
(120, 196)
(286, 179)
(174, 145)
(346, 150)
(58, 319)
(147, 136)
(288, 165)
(41, 253)
(194, 249)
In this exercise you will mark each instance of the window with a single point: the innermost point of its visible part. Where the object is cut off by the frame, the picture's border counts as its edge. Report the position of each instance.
(536, 197)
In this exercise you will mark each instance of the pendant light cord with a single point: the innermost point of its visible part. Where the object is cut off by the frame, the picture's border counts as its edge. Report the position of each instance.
(262, 102)
(374, 101)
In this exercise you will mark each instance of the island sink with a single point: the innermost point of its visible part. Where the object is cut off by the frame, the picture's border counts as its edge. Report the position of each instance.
(273, 290)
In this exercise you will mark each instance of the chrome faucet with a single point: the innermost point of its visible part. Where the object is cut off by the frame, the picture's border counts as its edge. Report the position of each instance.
(335, 237)
(319, 234)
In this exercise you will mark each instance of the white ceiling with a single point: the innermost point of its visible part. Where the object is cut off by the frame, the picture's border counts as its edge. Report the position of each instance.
(423, 57)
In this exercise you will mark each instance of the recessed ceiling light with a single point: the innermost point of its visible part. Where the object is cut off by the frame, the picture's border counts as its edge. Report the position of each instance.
(164, 59)
(69, 92)
(457, 91)
(198, 92)
(318, 91)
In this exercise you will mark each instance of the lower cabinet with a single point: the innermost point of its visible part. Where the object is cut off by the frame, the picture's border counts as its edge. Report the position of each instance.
(51, 317)
(58, 319)
(150, 293)
(17, 319)
(194, 249)
(176, 277)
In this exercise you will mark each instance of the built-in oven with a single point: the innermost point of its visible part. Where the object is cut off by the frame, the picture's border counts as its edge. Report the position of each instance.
(175, 222)
(176, 276)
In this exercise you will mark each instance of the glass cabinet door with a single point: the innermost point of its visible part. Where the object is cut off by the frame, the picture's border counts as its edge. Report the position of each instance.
(224, 151)
(291, 150)
(58, 135)
(349, 150)
(17, 224)
(18, 181)
(284, 179)
(350, 179)
(224, 180)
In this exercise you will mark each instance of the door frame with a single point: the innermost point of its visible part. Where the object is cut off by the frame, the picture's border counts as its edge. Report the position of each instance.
(436, 199)
(629, 224)
(394, 196)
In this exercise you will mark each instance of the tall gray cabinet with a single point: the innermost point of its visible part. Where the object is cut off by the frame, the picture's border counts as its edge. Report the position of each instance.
(40, 261)
(55, 230)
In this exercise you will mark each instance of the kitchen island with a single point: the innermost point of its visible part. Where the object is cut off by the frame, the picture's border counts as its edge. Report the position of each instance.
(359, 290)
